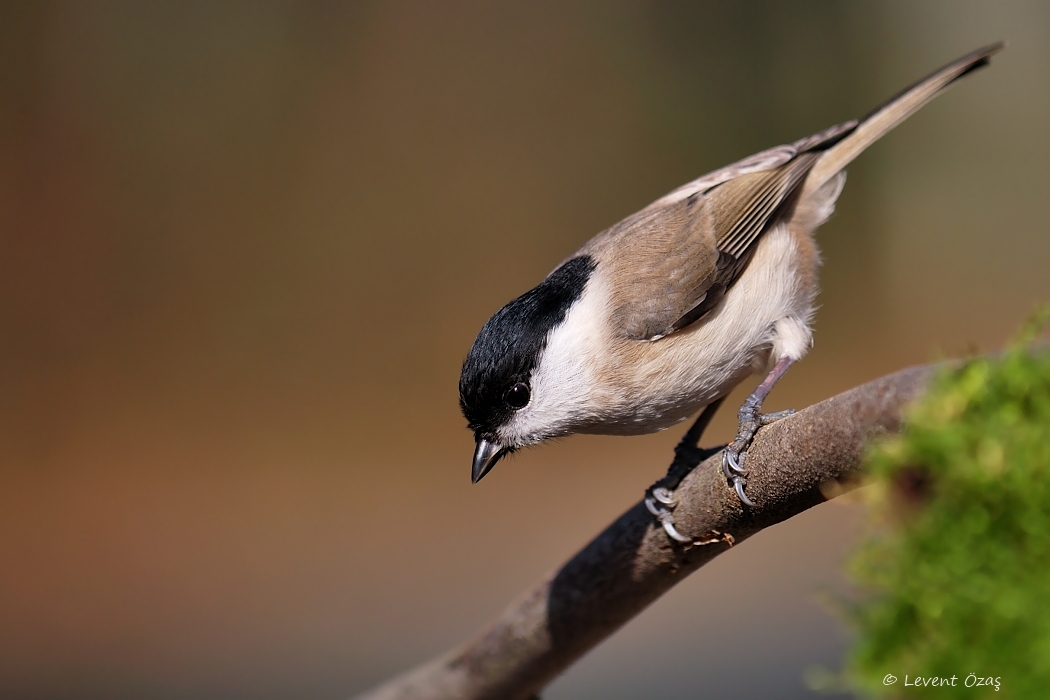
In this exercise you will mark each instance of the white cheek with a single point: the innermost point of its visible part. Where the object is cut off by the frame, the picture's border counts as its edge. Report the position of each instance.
(765, 316)
(563, 380)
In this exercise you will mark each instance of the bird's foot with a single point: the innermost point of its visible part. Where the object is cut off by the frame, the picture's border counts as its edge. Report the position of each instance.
(660, 497)
(734, 454)
(661, 502)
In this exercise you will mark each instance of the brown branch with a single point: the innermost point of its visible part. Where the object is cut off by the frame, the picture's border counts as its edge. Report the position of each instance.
(633, 562)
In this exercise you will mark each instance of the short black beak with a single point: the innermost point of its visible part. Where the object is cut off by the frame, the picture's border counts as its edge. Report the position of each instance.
(486, 454)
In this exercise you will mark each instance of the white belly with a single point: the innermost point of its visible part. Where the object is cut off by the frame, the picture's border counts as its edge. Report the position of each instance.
(649, 386)
(592, 380)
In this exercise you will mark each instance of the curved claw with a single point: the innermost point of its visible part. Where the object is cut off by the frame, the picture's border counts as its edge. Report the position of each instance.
(732, 463)
(739, 484)
(665, 517)
(665, 496)
(674, 534)
(657, 513)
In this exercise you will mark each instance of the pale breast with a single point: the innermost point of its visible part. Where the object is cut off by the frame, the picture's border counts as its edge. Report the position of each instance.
(649, 386)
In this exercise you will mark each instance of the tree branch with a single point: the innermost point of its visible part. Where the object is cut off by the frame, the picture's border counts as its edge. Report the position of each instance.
(633, 562)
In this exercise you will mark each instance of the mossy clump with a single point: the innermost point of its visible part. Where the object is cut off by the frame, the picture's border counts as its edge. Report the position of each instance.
(957, 579)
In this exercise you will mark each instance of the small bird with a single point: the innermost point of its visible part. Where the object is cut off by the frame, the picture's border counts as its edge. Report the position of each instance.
(664, 313)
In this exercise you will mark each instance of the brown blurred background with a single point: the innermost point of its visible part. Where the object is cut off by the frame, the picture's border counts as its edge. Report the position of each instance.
(244, 248)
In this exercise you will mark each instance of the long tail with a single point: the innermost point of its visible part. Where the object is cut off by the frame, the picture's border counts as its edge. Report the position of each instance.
(890, 114)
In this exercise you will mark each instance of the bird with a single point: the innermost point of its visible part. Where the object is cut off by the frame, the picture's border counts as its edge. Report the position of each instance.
(664, 313)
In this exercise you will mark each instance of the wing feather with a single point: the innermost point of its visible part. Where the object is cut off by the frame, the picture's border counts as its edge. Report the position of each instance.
(671, 263)
(695, 247)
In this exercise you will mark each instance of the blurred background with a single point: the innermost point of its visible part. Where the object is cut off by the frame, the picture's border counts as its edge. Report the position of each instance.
(244, 248)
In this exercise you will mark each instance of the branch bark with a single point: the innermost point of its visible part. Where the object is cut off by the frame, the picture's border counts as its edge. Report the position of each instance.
(791, 463)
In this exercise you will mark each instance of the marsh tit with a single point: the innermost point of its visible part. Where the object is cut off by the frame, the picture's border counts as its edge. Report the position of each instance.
(664, 313)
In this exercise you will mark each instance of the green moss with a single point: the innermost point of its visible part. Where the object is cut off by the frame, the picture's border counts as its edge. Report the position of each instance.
(958, 575)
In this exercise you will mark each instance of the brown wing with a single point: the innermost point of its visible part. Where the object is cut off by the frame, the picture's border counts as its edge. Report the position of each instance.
(661, 263)
(672, 262)
(676, 259)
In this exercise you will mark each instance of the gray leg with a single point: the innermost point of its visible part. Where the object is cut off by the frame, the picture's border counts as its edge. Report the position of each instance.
(750, 421)
(660, 499)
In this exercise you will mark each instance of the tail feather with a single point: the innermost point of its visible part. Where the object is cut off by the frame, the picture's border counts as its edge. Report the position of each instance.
(890, 114)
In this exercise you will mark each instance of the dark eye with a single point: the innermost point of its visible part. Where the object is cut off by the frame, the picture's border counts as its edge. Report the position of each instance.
(517, 396)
